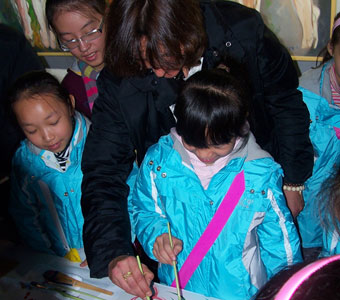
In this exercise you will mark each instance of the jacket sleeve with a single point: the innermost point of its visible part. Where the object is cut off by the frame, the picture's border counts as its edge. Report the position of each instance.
(283, 103)
(24, 209)
(106, 164)
(279, 240)
(148, 213)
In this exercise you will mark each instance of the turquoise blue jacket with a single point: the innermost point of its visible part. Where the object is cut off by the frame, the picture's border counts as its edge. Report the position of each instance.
(258, 240)
(45, 200)
(331, 242)
(324, 121)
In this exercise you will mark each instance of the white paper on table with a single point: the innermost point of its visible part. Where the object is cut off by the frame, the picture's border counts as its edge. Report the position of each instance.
(32, 265)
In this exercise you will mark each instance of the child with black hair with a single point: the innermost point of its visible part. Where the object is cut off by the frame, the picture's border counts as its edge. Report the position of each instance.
(219, 191)
(46, 169)
(46, 175)
(316, 280)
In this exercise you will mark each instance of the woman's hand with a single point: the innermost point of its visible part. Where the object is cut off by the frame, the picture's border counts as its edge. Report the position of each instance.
(163, 251)
(295, 202)
(125, 273)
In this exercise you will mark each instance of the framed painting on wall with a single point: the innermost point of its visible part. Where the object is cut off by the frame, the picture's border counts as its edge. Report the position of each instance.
(28, 16)
(303, 26)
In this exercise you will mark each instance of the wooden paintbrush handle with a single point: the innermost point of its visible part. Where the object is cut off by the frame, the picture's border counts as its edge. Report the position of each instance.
(88, 286)
(92, 287)
(59, 277)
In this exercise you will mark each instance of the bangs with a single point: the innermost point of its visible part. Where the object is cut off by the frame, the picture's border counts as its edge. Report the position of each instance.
(166, 58)
(209, 120)
(174, 57)
(208, 114)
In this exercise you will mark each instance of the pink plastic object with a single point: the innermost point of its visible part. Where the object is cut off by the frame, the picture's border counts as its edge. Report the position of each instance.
(293, 283)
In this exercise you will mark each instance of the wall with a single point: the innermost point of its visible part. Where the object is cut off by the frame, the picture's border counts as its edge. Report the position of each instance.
(305, 65)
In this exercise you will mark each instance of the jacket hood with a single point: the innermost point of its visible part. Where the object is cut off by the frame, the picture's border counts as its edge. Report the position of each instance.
(248, 152)
(317, 81)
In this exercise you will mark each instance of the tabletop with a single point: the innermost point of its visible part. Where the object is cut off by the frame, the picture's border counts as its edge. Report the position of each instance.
(19, 266)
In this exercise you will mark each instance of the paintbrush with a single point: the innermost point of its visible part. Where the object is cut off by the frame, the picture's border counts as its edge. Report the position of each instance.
(52, 285)
(59, 291)
(174, 265)
(59, 277)
(141, 269)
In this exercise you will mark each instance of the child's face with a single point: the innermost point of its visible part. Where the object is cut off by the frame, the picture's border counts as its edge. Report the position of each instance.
(212, 153)
(335, 52)
(75, 25)
(46, 121)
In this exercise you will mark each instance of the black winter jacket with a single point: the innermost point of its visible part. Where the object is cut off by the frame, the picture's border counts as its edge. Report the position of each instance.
(131, 114)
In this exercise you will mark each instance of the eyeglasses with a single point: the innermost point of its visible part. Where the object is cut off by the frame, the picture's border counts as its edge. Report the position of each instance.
(86, 38)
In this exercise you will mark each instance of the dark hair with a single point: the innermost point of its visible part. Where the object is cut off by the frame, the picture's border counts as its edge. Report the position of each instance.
(37, 83)
(329, 202)
(335, 40)
(212, 108)
(322, 284)
(174, 31)
(54, 7)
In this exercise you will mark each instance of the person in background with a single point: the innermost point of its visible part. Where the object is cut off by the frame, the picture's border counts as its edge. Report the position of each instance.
(321, 93)
(16, 58)
(210, 165)
(46, 174)
(79, 26)
(314, 280)
(151, 46)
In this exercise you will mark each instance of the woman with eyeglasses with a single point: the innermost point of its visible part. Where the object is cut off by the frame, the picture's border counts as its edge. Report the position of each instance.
(79, 27)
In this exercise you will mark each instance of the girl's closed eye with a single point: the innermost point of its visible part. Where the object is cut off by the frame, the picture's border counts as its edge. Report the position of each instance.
(31, 131)
(55, 123)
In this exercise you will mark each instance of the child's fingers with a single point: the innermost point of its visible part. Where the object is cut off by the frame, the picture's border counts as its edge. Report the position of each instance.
(178, 246)
(162, 249)
(169, 250)
(160, 253)
(83, 264)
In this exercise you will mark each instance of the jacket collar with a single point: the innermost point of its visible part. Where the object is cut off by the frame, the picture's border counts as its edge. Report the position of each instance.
(164, 91)
(325, 86)
(241, 154)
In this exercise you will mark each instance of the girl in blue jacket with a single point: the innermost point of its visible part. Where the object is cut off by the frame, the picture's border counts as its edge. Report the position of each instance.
(220, 192)
(321, 93)
(46, 174)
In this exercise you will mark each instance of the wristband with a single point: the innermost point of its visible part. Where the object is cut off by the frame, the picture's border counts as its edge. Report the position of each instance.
(293, 187)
